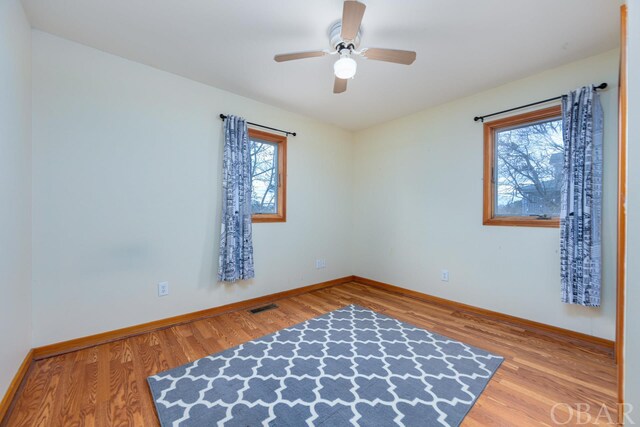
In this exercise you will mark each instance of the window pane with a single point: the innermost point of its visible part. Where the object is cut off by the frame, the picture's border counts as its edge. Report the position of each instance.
(264, 177)
(528, 170)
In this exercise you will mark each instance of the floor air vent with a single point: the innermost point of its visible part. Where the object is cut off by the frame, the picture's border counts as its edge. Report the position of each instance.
(263, 308)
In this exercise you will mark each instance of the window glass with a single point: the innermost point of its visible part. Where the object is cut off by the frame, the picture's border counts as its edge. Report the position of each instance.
(528, 169)
(264, 177)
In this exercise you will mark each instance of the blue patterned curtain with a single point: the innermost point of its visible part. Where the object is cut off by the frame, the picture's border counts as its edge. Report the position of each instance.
(581, 204)
(236, 243)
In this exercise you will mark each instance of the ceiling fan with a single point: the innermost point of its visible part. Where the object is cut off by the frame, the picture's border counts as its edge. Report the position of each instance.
(345, 40)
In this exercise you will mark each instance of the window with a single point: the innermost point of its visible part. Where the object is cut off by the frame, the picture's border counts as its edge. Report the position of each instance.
(268, 176)
(523, 159)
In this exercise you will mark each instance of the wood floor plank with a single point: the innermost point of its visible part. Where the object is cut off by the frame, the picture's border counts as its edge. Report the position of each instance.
(106, 385)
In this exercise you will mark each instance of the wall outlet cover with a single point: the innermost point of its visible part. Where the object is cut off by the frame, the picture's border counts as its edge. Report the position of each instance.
(163, 289)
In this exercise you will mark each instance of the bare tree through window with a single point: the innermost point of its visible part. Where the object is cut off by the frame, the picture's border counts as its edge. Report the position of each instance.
(528, 169)
(264, 174)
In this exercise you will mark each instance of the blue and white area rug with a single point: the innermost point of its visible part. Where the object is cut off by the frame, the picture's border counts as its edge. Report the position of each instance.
(348, 367)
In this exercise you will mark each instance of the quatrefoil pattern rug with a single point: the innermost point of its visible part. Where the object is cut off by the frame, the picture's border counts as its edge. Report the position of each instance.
(348, 367)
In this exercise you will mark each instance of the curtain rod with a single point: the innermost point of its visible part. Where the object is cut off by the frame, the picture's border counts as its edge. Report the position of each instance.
(286, 132)
(481, 118)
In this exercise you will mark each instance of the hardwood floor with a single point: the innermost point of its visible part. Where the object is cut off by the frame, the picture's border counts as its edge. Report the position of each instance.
(106, 385)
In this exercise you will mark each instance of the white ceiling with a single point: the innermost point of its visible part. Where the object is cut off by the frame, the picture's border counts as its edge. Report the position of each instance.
(463, 46)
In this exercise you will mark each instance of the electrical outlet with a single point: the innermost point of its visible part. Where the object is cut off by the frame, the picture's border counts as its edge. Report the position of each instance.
(163, 289)
(321, 263)
(444, 275)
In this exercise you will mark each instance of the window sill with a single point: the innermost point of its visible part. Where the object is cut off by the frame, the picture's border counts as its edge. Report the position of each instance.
(516, 221)
(268, 218)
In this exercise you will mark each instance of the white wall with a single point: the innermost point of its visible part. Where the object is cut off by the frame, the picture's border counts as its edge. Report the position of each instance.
(632, 314)
(126, 187)
(126, 180)
(15, 189)
(418, 207)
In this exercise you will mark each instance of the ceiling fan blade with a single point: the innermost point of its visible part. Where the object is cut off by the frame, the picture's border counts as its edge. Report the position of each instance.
(298, 55)
(405, 57)
(352, 13)
(339, 85)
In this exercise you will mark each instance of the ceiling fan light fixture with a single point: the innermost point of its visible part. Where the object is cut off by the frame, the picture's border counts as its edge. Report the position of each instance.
(345, 67)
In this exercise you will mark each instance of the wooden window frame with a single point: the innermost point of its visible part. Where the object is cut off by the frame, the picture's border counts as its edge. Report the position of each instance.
(281, 141)
(490, 129)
